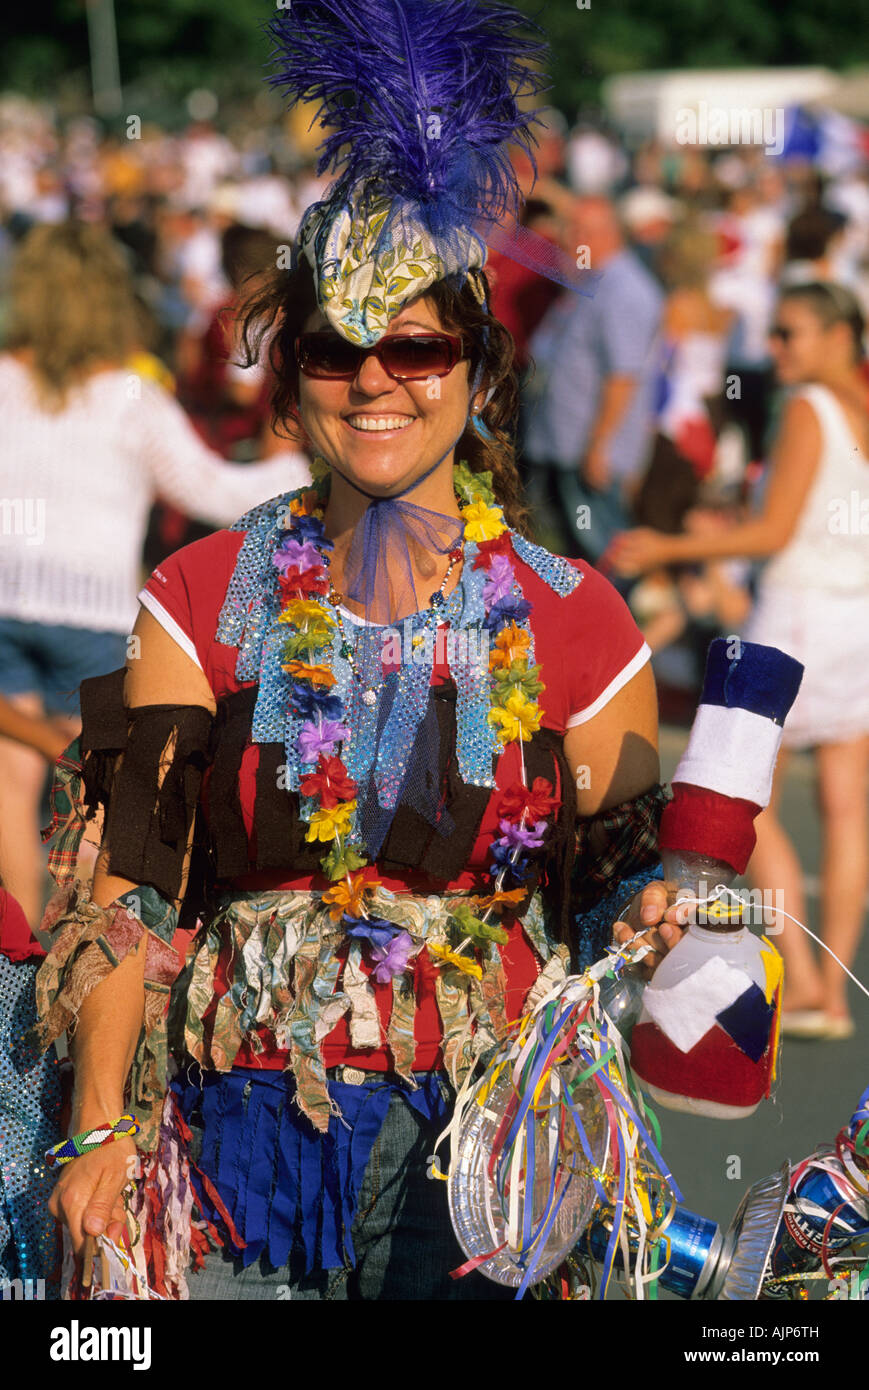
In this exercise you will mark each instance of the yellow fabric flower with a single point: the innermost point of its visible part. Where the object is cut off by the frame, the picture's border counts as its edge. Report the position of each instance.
(445, 956)
(317, 675)
(510, 645)
(482, 522)
(349, 897)
(518, 718)
(306, 610)
(327, 822)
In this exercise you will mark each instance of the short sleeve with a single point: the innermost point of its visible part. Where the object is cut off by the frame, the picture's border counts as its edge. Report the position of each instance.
(185, 592)
(628, 330)
(602, 646)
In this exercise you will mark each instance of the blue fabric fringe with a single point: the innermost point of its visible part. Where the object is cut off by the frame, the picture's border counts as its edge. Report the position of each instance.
(594, 928)
(286, 1186)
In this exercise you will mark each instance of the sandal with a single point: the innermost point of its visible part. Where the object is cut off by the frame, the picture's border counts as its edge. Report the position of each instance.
(805, 1023)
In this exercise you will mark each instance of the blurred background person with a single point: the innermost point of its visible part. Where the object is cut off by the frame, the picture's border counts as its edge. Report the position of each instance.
(751, 235)
(86, 444)
(589, 398)
(813, 602)
(693, 348)
(228, 404)
(814, 238)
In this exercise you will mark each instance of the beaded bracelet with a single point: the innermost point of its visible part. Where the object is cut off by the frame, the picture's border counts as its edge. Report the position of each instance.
(91, 1139)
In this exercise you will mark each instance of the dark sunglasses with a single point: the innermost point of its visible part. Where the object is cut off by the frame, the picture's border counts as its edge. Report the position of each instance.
(783, 334)
(403, 356)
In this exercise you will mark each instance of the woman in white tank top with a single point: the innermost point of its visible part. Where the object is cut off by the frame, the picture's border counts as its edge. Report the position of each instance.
(812, 602)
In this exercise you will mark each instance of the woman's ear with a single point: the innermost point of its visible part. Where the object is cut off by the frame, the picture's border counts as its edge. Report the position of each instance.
(481, 399)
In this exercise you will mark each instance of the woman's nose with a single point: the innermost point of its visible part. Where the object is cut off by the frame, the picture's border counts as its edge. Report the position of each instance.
(371, 378)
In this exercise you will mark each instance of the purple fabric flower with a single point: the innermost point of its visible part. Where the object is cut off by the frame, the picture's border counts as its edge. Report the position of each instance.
(376, 930)
(304, 555)
(507, 610)
(527, 837)
(392, 959)
(309, 703)
(500, 580)
(320, 737)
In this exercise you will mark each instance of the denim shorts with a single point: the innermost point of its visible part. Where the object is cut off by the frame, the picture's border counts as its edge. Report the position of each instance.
(51, 660)
(403, 1239)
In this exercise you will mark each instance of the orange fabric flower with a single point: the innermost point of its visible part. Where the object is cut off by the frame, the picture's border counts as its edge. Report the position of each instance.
(349, 897)
(317, 675)
(307, 504)
(482, 901)
(510, 645)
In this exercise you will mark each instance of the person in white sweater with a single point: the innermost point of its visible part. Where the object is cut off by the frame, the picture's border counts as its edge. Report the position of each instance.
(86, 445)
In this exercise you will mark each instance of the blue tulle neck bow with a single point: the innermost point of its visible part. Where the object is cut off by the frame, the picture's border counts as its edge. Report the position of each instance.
(379, 569)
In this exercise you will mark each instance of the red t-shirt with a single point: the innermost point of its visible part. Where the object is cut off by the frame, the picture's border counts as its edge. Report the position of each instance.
(17, 941)
(587, 645)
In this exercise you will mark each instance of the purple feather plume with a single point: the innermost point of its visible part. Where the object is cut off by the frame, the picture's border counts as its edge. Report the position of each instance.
(419, 96)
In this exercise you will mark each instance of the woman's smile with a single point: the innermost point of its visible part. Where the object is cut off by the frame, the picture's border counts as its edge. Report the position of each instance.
(365, 423)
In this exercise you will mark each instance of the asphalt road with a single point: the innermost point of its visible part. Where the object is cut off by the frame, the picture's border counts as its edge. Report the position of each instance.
(818, 1083)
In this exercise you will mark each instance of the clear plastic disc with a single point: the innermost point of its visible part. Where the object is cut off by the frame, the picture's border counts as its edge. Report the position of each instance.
(479, 1218)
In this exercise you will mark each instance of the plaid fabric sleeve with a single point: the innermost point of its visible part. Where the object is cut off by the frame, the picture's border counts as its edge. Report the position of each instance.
(629, 836)
(68, 816)
(616, 855)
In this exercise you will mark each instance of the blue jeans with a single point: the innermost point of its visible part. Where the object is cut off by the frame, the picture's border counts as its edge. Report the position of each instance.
(51, 660)
(402, 1236)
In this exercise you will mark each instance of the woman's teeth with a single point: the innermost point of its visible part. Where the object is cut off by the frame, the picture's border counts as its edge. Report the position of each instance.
(379, 422)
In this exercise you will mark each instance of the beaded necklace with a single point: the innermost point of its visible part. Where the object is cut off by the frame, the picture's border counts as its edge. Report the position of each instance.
(369, 695)
(328, 801)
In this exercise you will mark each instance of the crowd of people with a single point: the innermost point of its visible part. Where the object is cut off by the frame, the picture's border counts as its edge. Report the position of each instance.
(687, 425)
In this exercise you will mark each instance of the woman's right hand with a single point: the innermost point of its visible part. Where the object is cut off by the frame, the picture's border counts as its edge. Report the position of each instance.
(87, 1197)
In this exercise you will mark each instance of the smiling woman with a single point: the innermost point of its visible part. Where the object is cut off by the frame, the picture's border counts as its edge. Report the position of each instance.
(383, 854)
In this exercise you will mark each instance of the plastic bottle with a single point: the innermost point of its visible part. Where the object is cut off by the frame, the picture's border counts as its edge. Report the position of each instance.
(707, 1032)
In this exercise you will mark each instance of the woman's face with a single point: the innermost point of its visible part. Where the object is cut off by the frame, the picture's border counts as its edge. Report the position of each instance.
(383, 433)
(805, 348)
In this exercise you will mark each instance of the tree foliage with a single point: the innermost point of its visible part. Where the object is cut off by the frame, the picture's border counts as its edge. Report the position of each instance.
(169, 45)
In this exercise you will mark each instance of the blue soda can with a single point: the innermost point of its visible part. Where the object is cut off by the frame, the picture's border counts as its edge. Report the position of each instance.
(820, 1193)
(694, 1242)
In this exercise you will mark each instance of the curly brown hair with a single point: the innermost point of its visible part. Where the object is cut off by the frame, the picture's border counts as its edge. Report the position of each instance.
(277, 310)
(72, 305)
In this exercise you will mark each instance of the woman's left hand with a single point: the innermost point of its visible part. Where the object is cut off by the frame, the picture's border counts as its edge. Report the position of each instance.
(653, 911)
(632, 552)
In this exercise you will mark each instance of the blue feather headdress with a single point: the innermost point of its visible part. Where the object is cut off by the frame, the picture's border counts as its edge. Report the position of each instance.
(420, 101)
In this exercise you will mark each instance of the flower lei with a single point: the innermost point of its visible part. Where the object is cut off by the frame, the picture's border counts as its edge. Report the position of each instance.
(329, 793)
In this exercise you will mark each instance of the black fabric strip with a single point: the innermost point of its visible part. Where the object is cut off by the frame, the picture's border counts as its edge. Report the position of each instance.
(148, 829)
(232, 727)
(278, 827)
(103, 734)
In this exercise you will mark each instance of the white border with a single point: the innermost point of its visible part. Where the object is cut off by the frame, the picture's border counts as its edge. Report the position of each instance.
(615, 685)
(168, 623)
